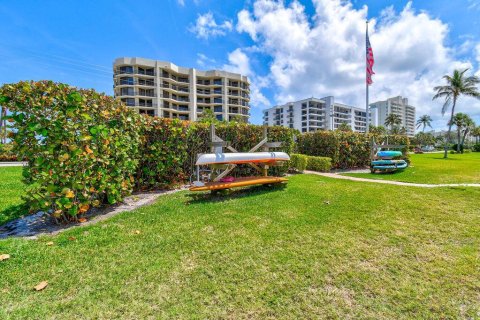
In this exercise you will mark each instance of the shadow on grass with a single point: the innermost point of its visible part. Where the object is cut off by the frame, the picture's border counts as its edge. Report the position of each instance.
(13, 212)
(442, 158)
(228, 194)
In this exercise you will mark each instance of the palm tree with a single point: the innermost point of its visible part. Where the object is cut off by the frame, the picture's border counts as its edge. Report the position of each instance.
(424, 121)
(393, 120)
(457, 85)
(462, 121)
(468, 127)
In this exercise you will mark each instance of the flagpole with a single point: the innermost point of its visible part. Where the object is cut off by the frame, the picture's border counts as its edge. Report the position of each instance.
(366, 81)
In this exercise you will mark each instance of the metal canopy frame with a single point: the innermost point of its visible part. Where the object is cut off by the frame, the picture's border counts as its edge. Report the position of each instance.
(217, 144)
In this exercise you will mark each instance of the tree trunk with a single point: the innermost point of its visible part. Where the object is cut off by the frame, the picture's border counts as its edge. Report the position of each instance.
(463, 139)
(458, 140)
(447, 139)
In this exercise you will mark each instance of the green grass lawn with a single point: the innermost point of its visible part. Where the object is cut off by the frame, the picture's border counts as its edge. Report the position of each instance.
(11, 189)
(320, 248)
(432, 168)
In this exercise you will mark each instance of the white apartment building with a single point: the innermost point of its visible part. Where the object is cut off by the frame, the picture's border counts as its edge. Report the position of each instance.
(314, 114)
(163, 89)
(397, 105)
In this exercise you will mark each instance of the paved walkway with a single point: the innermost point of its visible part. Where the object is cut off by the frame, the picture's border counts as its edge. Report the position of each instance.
(397, 183)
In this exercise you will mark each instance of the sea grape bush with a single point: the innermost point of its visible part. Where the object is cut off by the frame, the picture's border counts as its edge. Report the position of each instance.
(163, 153)
(81, 146)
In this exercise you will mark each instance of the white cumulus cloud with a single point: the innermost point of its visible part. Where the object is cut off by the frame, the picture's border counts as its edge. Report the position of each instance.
(324, 54)
(206, 27)
(239, 62)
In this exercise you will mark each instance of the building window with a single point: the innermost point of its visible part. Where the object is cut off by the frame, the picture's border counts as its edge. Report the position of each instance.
(127, 91)
(126, 69)
(149, 112)
(129, 101)
(219, 117)
(217, 109)
(128, 80)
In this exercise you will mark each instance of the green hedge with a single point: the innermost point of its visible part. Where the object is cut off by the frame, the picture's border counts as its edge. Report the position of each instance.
(298, 162)
(346, 149)
(163, 153)
(82, 146)
(476, 147)
(320, 164)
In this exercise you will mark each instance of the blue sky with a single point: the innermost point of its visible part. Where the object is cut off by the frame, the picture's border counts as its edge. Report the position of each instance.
(75, 42)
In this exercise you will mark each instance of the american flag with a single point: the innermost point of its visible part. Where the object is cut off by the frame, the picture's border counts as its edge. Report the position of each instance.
(370, 62)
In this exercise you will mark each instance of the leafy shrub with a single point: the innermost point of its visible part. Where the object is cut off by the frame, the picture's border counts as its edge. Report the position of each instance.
(476, 147)
(467, 150)
(320, 164)
(298, 162)
(81, 146)
(162, 154)
(6, 153)
(346, 149)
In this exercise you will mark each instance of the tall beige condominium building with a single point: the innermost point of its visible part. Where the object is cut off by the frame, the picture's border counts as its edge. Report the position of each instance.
(397, 105)
(166, 90)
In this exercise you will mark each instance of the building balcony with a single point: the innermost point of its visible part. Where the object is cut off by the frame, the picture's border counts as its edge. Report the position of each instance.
(175, 79)
(174, 87)
(120, 71)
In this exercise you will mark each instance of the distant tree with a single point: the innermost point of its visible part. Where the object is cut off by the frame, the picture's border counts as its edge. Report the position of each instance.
(457, 84)
(476, 134)
(463, 122)
(344, 127)
(468, 128)
(424, 139)
(208, 116)
(424, 121)
(237, 118)
(377, 130)
(393, 121)
(396, 130)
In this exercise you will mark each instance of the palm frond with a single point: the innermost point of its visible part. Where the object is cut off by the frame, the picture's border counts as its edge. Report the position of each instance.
(447, 104)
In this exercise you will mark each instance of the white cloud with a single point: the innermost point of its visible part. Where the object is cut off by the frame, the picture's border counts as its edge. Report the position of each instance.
(324, 54)
(239, 62)
(204, 61)
(473, 4)
(206, 27)
(181, 2)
